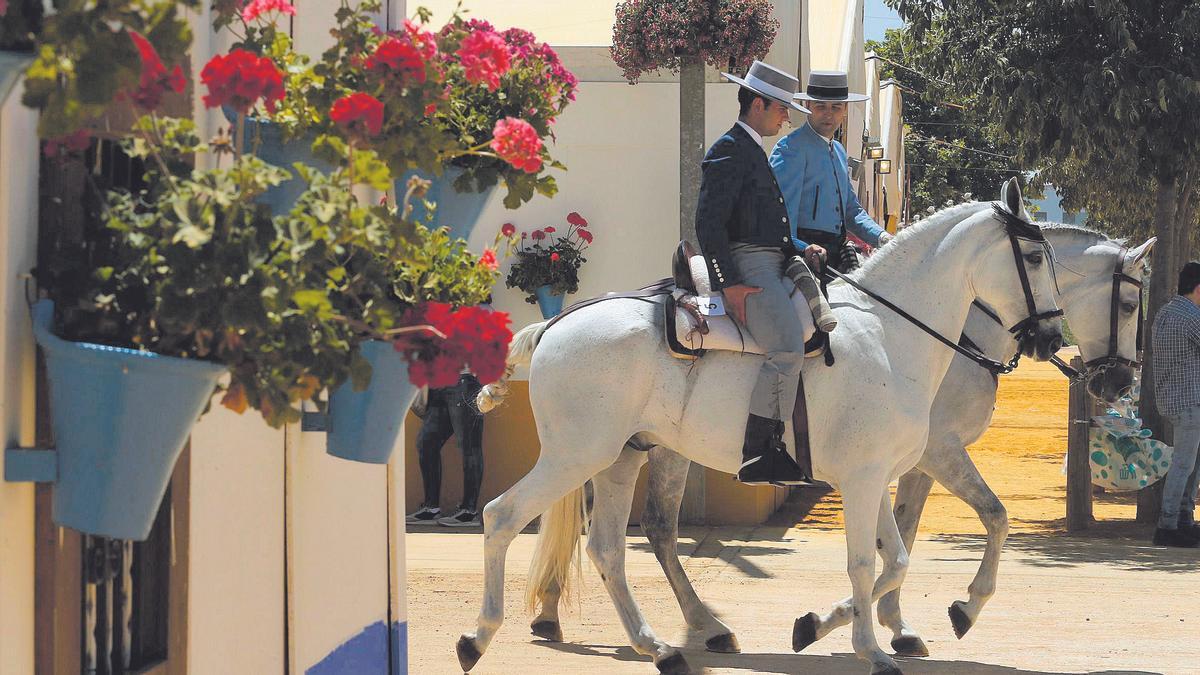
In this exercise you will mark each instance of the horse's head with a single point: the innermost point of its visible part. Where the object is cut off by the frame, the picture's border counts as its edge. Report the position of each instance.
(1016, 277)
(1103, 308)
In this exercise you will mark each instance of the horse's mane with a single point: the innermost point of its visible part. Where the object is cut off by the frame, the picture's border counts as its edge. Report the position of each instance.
(948, 216)
(1084, 232)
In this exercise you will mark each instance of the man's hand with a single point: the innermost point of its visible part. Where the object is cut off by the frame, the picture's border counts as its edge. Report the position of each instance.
(815, 257)
(735, 300)
(884, 237)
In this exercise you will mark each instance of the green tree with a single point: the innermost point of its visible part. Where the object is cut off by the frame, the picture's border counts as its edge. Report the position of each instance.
(950, 151)
(1103, 95)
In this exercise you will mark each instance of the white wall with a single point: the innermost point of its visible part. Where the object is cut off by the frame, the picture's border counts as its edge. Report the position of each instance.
(236, 618)
(18, 251)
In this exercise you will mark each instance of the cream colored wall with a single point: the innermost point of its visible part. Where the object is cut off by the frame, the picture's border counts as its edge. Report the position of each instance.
(18, 251)
(236, 621)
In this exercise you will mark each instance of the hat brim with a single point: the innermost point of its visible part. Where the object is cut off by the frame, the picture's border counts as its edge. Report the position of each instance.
(791, 104)
(849, 98)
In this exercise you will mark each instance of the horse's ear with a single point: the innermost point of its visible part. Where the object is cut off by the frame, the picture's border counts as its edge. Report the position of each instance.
(1140, 252)
(1010, 196)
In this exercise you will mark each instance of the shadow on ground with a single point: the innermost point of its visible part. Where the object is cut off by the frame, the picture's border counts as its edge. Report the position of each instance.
(837, 664)
(1124, 545)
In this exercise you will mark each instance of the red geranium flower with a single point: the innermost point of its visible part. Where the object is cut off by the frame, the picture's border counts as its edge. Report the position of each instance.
(508, 229)
(484, 57)
(584, 235)
(154, 80)
(538, 235)
(239, 79)
(405, 57)
(358, 112)
(475, 337)
(554, 257)
(577, 220)
(517, 142)
(256, 8)
(549, 229)
(488, 260)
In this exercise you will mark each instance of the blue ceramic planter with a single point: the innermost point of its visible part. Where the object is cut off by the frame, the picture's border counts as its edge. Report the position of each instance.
(364, 425)
(273, 149)
(459, 211)
(121, 418)
(549, 302)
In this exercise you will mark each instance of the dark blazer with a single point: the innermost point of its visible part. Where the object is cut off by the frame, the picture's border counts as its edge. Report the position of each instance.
(739, 202)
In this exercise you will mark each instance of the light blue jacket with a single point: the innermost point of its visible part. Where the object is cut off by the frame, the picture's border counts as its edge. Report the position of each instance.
(816, 186)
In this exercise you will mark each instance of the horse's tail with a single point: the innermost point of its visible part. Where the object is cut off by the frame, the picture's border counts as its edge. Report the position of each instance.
(556, 557)
(520, 353)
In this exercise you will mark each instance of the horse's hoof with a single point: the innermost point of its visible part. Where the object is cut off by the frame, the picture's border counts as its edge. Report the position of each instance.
(910, 646)
(886, 670)
(468, 653)
(959, 619)
(674, 664)
(804, 631)
(547, 630)
(726, 643)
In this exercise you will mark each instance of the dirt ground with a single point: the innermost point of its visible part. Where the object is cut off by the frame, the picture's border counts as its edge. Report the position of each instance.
(1103, 602)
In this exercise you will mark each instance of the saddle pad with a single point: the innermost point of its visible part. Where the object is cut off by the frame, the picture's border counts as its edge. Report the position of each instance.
(723, 333)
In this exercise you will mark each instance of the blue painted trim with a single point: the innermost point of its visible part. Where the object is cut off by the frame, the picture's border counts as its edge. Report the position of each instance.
(30, 465)
(367, 653)
(400, 648)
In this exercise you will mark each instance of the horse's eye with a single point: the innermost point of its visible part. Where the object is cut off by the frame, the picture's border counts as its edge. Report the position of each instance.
(1034, 258)
(1128, 307)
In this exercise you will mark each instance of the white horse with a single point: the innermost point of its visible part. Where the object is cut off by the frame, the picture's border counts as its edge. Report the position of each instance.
(962, 411)
(603, 389)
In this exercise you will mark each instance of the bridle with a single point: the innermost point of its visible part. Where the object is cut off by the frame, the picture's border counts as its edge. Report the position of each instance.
(1113, 358)
(1018, 229)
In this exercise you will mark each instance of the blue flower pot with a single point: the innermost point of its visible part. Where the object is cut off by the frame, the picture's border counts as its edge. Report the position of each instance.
(459, 211)
(121, 418)
(273, 149)
(364, 425)
(549, 302)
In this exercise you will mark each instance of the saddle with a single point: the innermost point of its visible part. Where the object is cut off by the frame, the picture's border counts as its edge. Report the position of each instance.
(690, 333)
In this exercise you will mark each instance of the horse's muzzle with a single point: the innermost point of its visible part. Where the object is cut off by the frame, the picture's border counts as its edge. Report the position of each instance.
(1045, 341)
(1111, 383)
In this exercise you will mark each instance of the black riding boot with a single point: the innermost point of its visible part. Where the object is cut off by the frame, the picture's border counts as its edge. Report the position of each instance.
(765, 459)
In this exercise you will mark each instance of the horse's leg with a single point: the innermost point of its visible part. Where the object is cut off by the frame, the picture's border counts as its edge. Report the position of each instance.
(863, 507)
(554, 475)
(911, 494)
(606, 547)
(953, 468)
(660, 521)
(895, 566)
(546, 624)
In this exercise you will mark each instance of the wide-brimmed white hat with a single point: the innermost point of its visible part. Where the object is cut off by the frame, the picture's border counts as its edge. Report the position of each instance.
(771, 82)
(829, 85)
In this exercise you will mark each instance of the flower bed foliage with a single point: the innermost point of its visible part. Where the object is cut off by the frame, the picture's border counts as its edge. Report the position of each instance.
(188, 263)
(547, 258)
(653, 35)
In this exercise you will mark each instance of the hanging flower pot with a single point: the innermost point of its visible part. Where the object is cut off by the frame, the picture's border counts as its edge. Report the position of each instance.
(459, 211)
(267, 141)
(364, 425)
(548, 301)
(120, 419)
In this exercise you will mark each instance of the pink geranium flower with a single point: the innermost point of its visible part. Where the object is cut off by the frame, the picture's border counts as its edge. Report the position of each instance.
(485, 58)
(517, 142)
(256, 8)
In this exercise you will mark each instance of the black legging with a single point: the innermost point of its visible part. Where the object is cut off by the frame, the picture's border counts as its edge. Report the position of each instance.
(452, 411)
(842, 254)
